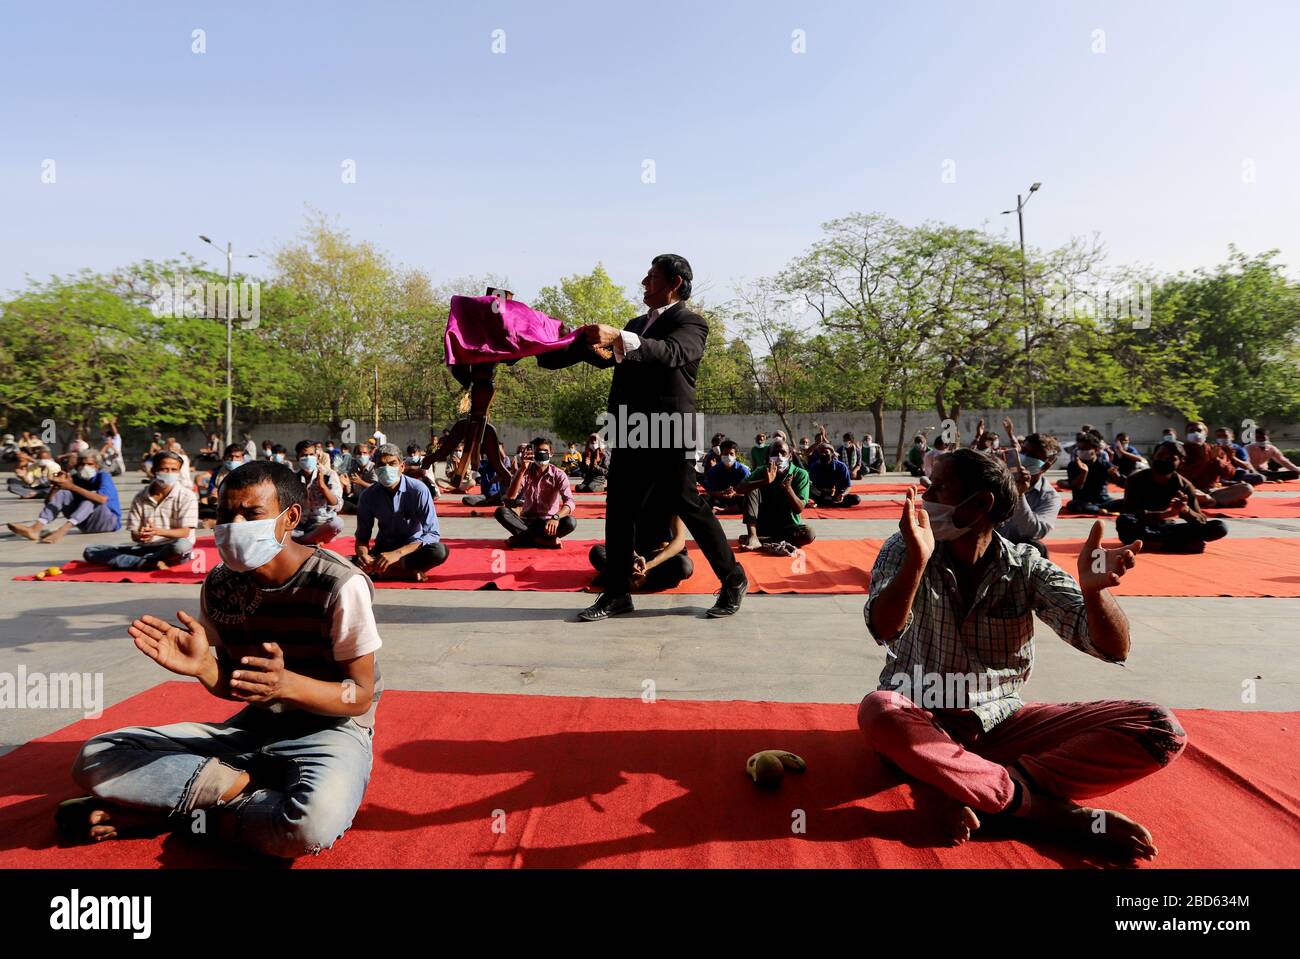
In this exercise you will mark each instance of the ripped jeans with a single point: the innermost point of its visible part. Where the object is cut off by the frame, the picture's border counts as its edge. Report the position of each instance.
(309, 774)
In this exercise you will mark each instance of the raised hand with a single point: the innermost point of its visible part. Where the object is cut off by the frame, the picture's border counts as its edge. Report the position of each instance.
(915, 527)
(182, 649)
(1102, 568)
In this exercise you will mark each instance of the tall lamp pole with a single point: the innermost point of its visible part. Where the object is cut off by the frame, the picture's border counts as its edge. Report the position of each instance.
(230, 261)
(1019, 211)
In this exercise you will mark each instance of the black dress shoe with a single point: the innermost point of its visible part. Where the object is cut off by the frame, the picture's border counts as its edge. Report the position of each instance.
(728, 603)
(606, 606)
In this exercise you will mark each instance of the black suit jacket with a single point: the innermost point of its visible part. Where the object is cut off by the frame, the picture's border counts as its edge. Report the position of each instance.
(659, 377)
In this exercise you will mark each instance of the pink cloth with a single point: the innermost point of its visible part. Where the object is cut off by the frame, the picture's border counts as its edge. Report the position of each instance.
(1072, 750)
(478, 333)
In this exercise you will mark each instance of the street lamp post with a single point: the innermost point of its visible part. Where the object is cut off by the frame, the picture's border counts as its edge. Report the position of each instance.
(230, 262)
(1024, 300)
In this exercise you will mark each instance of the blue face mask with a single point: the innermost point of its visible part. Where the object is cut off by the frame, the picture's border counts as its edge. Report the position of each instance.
(387, 475)
(307, 463)
(232, 465)
(1031, 464)
(248, 545)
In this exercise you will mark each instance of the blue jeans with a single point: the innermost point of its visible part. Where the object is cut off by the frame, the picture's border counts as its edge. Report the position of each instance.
(82, 513)
(309, 774)
(139, 555)
(1105, 501)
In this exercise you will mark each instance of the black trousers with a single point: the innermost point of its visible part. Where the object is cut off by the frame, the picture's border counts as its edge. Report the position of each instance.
(796, 534)
(664, 576)
(825, 498)
(660, 482)
(1172, 535)
(519, 526)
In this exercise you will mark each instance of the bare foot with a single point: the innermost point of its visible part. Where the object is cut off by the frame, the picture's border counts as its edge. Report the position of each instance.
(53, 536)
(1111, 836)
(958, 822)
(751, 542)
(26, 532)
(95, 820)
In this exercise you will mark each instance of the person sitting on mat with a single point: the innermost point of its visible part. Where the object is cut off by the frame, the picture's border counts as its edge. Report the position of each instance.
(322, 496)
(1243, 471)
(88, 500)
(289, 631)
(540, 504)
(953, 603)
(1160, 507)
(489, 483)
(1209, 468)
(660, 561)
(359, 477)
(161, 522)
(774, 499)
(1038, 503)
(1269, 460)
(233, 458)
(595, 466)
(830, 480)
(722, 480)
(407, 542)
(1088, 475)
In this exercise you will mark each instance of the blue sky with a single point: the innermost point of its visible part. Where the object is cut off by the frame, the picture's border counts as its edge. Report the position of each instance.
(529, 163)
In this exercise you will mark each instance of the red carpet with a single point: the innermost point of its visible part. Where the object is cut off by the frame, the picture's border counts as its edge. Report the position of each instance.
(622, 783)
(833, 567)
(1264, 566)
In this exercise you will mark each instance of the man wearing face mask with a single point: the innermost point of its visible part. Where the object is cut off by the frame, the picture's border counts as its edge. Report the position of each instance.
(322, 496)
(1208, 467)
(595, 466)
(289, 631)
(232, 458)
(87, 499)
(774, 501)
(722, 480)
(1088, 476)
(1160, 507)
(830, 480)
(408, 543)
(490, 485)
(1034, 515)
(161, 522)
(953, 603)
(540, 504)
(360, 476)
(1243, 471)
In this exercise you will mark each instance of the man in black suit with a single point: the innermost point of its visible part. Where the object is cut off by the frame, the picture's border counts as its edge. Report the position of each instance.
(655, 359)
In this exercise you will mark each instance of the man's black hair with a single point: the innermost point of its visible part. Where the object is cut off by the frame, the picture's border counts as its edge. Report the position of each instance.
(729, 445)
(848, 438)
(539, 441)
(233, 448)
(302, 446)
(167, 455)
(288, 487)
(277, 448)
(980, 472)
(1050, 444)
(673, 266)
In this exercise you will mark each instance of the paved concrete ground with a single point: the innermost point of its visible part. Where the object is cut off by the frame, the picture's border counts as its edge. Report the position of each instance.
(1187, 653)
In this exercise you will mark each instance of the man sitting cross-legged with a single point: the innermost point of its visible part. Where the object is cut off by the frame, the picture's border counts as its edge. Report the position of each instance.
(287, 629)
(542, 507)
(1269, 460)
(161, 522)
(407, 544)
(660, 561)
(1160, 507)
(87, 500)
(830, 480)
(724, 477)
(775, 498)
(954, 603)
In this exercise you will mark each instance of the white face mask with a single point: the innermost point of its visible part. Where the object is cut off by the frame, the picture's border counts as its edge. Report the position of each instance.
(941, 524)
(87, 472)
(308, 463)
(728, 460)
(168, 480)
(1195, 437)
(781, 462)
(249, 544)
(47, 464)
